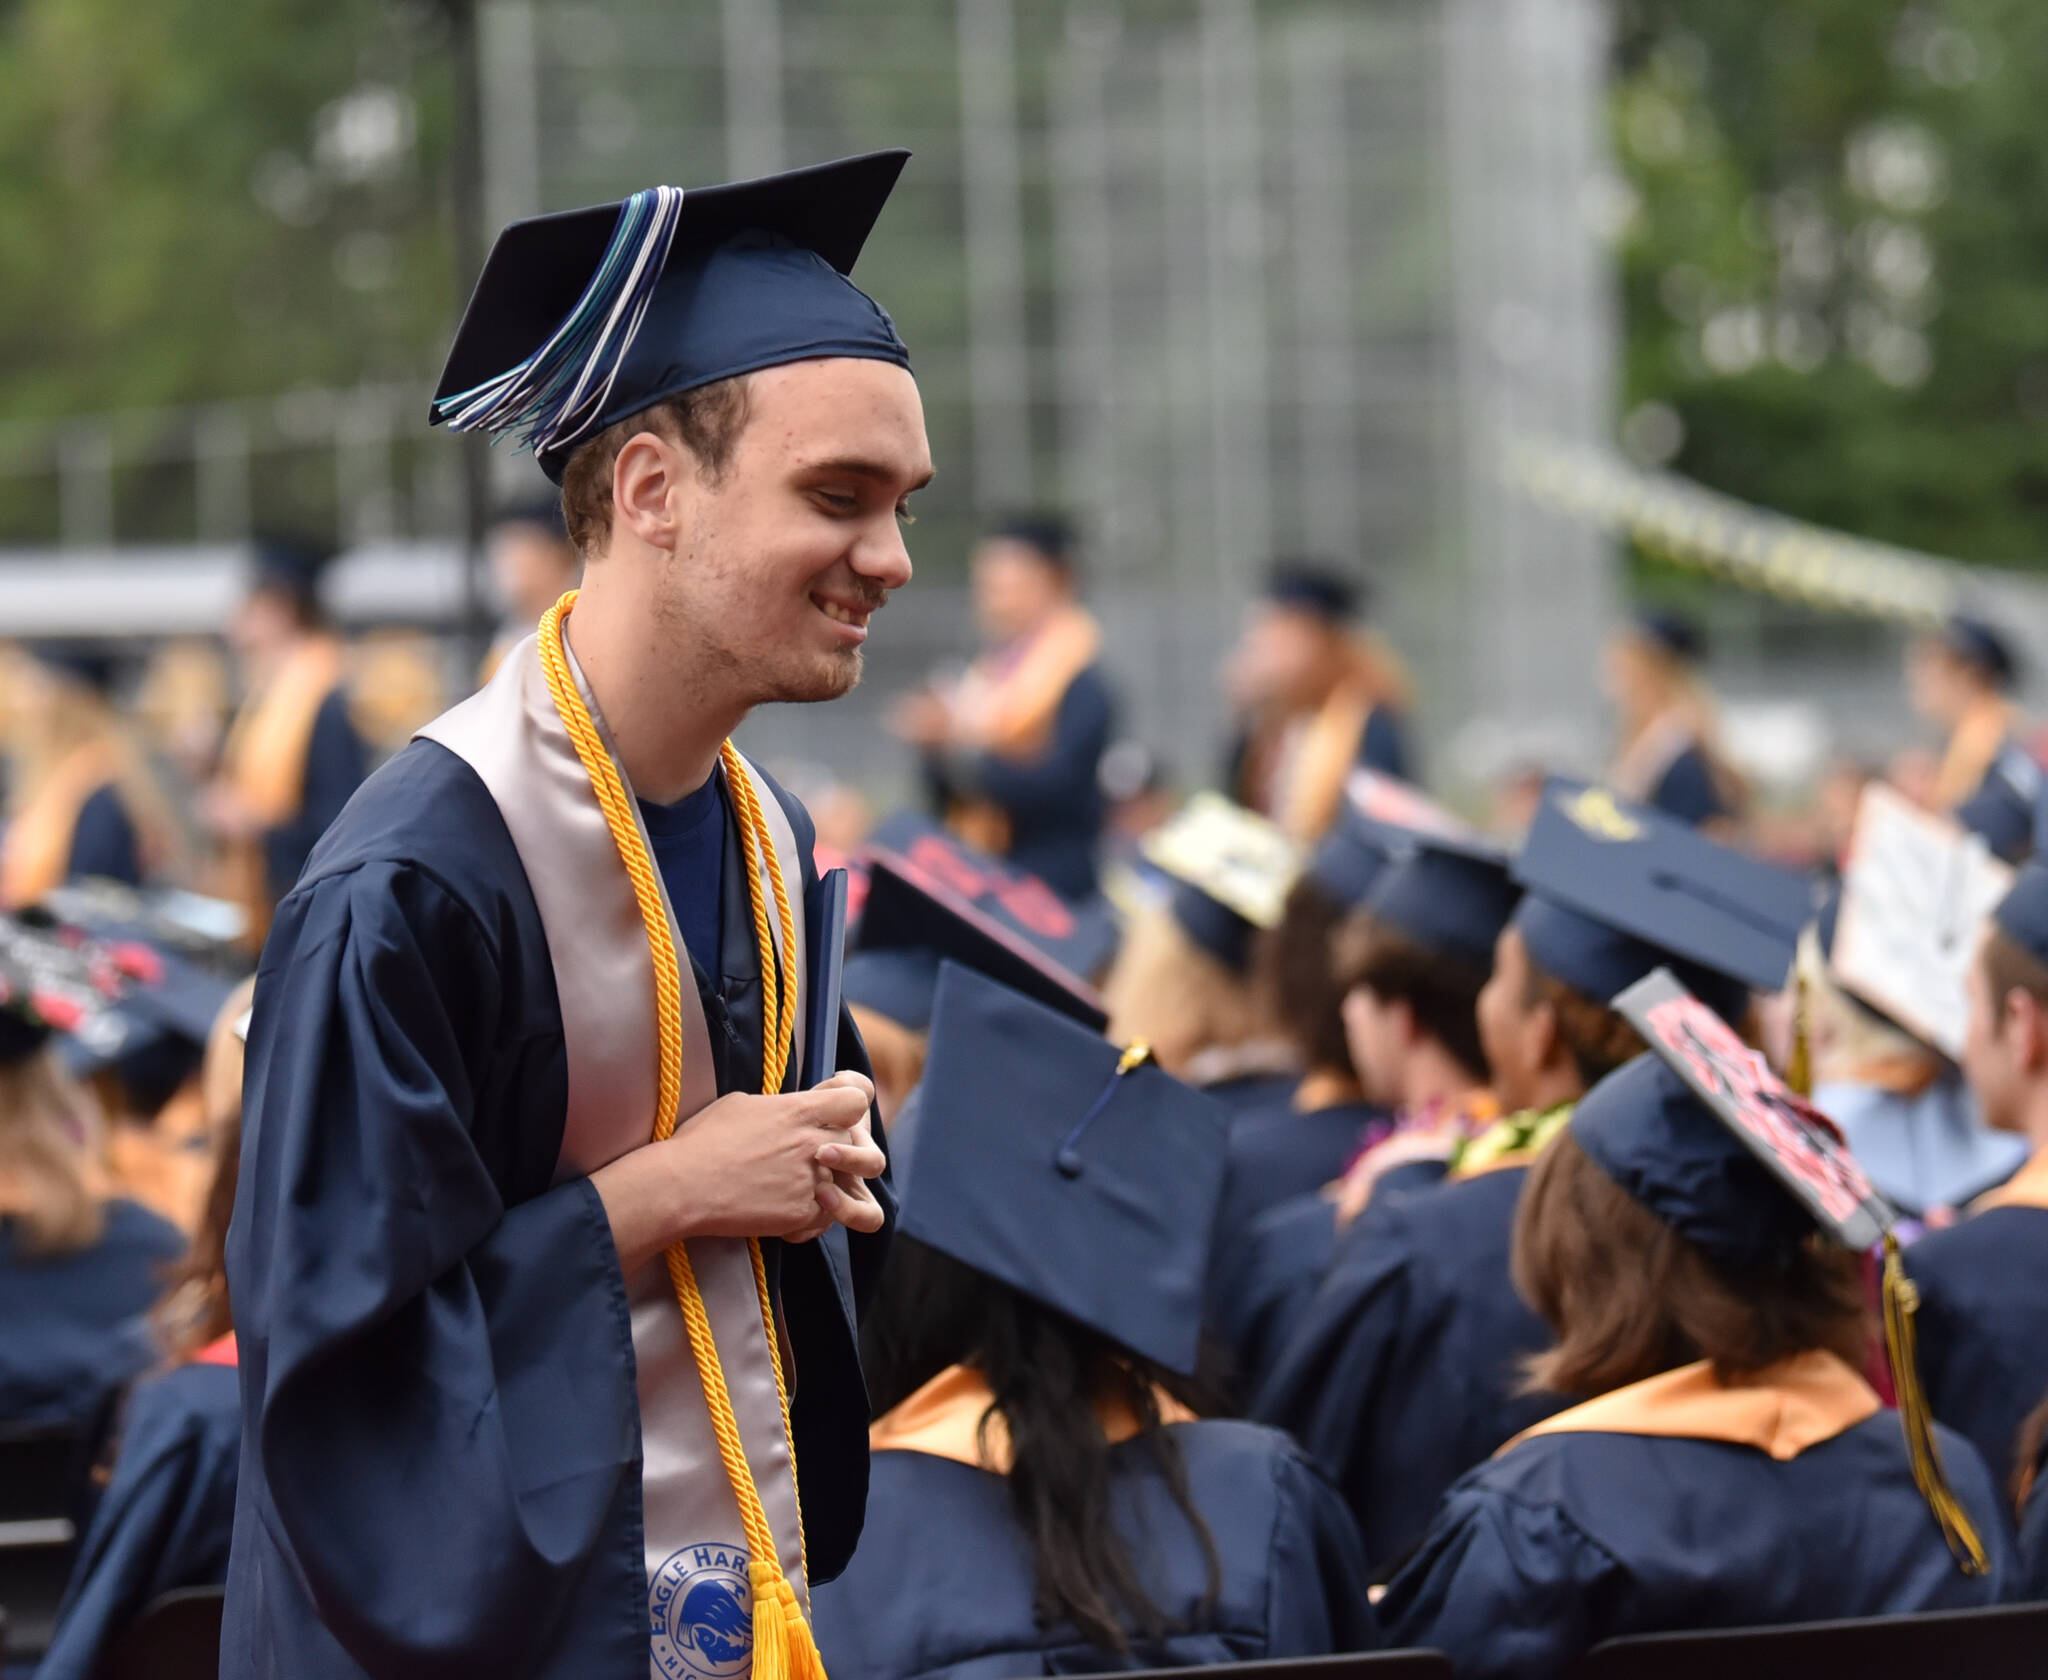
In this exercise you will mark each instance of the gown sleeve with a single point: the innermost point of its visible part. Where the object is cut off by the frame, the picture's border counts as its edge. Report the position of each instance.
(1506, 1590)
(163, 1523)
(413, 1347)
(1319, 1580)
(103, 843)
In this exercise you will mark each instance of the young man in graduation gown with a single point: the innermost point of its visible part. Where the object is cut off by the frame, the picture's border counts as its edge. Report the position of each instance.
(1010, 752)
(539, 1307)
(1983, 1310)
(1403, 1371)
(292, 757)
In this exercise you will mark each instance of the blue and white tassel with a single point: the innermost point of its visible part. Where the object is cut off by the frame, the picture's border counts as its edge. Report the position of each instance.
(553, 397)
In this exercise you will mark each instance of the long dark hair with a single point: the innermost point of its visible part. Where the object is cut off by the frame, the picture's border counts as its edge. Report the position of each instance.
(1047, 1373)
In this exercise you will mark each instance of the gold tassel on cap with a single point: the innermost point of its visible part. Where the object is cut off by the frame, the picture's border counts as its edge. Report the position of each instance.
(1901, 1301)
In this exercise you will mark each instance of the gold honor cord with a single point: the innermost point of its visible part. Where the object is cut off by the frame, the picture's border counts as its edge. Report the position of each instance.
(784, 1648)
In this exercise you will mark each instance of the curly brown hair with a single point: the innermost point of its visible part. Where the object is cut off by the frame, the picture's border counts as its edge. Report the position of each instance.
(1442, 992)
(707, 422)
(1628, 1297)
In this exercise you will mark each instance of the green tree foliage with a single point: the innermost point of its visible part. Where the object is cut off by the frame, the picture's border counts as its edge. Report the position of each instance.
(201, 200)
(1835, 268)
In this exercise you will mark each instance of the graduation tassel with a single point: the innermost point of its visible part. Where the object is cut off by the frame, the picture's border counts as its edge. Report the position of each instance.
(784, 1646)
(1901, 1301)
(1799, 1076)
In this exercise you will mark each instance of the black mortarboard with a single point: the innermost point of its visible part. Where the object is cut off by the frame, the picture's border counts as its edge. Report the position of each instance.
(1314, 587)
(1982, 645)
(1450, 894)
(936, 899)
(543, 513)
(1230, 869)
(1615, 890)
(1047, 535)
(2022, 915)
(81, 662)
(584, 318)
(291, 566)
(1079, 1175)
(1673, 632)
(1349, 858)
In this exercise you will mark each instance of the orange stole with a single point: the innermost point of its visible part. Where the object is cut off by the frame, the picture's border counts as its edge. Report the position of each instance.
(37, 854)
(1312, 783)
(950, 1417)
(1006, 706)
(1797, 1403)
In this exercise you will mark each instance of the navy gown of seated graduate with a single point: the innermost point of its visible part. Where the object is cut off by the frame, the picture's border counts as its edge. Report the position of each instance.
(72, 1326)
(166, 1517)
(443, 1437)
(1054, 1243)
(2034, 1532)
(1692, 1499)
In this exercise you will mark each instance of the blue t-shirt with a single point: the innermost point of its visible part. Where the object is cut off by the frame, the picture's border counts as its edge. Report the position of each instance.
(689, 849)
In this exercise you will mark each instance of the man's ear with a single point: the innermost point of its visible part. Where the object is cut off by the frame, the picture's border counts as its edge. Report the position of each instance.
(1546, 1038)
(2027, 1021)
(647, 479)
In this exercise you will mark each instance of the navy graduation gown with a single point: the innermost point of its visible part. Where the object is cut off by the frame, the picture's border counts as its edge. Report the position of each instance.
(335, 762)
(2034, 1536)
(1250, 1094)
(1687, 789)
(1262, 1281)
(164, 1520)
(1983, 1324)
(1277, 1154)
(103, 841)
(1405, 1368)
(72, 1326)
(942, 1587)
(440, 1473)
(1570, 1539)
(1383, 744)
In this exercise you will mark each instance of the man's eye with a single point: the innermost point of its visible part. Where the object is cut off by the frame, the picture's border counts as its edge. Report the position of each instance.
(838, 503)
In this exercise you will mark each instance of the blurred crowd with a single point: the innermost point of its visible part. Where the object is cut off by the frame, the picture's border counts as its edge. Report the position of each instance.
(1435, 1221)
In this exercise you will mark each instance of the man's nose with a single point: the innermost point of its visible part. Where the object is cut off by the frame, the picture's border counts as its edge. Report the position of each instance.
(882, 558)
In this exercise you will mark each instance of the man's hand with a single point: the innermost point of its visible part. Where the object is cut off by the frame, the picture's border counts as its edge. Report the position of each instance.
(744, 1166)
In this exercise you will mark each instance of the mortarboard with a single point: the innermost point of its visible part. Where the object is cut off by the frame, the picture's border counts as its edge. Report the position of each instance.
(290, 566)
(1230, 868)
(2022, 914)
(584, 318)
(1673, 632)
(1615, 890)
(1451, 894)
(1349, 858)
(80, 662)
(1980, 644)
(1313, 587)
(1078, 1174)
(936, 899)
(1711, 1141)
(1047, 535)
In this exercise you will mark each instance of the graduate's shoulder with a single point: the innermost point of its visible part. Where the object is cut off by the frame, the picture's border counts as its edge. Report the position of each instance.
(1961, 1254)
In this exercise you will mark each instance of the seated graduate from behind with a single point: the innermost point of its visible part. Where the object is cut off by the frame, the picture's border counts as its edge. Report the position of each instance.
(1983, 1310)
(2030, 1494)
(1407, 965)
(84, 800)
(1905, 1108)
(169, 1510)
(1734, 1467)
(78, 1268)
(1045, 1497)
(1402, 1373)
(1185, 980)
(931, 896)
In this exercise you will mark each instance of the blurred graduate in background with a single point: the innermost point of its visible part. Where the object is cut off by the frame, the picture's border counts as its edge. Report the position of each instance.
(1314, 695)
(1010, 751)
(1960, 678)
(1044, 1490)
(1734, 1468)
(1668, 755)
(84, 801)
(532, 563)
(292, 756)
(165, 1519)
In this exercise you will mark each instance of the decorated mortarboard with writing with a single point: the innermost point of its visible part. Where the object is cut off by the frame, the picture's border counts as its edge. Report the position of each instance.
(1615, 890)
(1450, 894)
(584, 318)
(1684, 1129)
(937, 899)
(1079, 1174)
(1231, 869)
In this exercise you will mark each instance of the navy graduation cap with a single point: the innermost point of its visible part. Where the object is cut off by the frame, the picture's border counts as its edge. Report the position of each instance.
(938, 899)
(1350, 857)
(584, 318)
(2022, 915)
(1615, 890)
(1076, 1173)
(1712, 1142)
(1450, 893)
